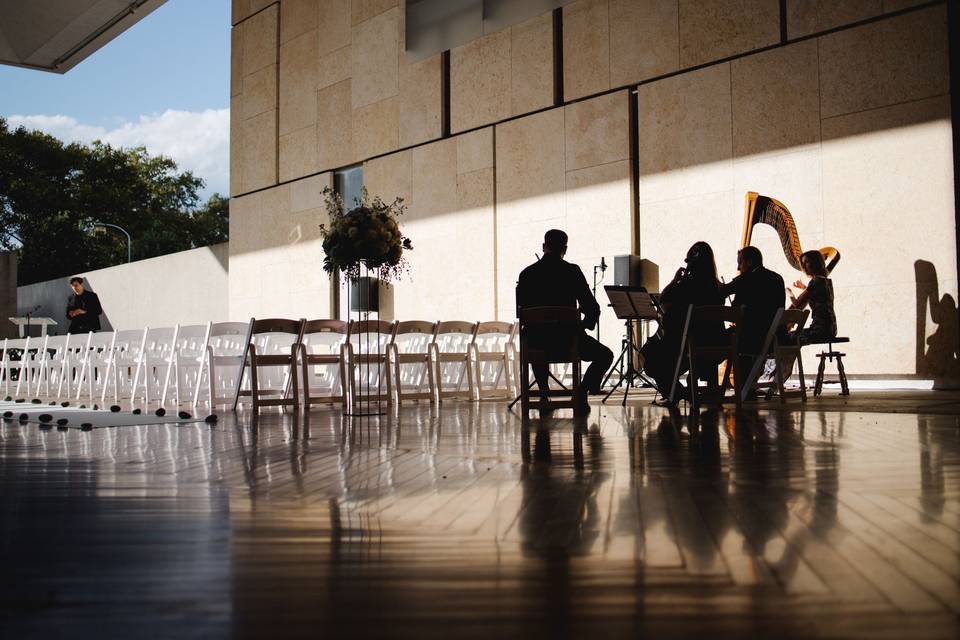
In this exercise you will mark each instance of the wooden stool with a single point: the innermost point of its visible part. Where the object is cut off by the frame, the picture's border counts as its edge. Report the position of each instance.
(830, 354)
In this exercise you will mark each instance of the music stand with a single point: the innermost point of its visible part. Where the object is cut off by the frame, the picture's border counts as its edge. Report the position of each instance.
(630, 304)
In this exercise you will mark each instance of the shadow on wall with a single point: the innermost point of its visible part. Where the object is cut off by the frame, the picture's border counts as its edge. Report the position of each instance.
(936, 356)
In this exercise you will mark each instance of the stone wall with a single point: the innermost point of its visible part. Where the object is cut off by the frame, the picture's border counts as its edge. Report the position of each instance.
(669, 111)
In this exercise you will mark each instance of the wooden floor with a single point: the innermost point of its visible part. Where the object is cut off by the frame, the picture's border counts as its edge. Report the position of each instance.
(463, 522)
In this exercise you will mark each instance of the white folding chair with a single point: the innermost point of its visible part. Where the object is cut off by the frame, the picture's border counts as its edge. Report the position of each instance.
(410, 359)
(189, 354)
(95, 364)
(74, 355)
(29, 364)
(323, 361)
(491, 359)
(10, 365)
(367, 364)
(157, 366)
(50, 365)
(225, 352)
(451, 359)
(124, 363)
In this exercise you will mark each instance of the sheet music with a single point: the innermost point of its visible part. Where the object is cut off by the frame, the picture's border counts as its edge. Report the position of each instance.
(631, 303)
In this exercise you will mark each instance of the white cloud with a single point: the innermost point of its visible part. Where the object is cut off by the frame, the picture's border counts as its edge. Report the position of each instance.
(198, 141)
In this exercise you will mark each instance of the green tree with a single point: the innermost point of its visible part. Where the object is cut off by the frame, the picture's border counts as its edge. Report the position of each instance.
(51, 193)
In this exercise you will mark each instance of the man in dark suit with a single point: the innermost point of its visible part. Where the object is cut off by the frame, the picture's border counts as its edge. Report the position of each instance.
(554, 282)
(83, 308)
(761, 293)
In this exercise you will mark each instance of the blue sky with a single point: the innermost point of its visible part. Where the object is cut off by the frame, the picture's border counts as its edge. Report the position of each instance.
(164, 83)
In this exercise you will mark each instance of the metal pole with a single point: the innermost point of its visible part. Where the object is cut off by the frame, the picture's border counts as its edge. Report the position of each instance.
(122, 230)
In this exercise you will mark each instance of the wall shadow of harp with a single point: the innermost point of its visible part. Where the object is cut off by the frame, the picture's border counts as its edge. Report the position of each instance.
(765, 210)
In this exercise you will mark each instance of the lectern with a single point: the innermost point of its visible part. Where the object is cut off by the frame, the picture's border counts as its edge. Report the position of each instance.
(24, 323)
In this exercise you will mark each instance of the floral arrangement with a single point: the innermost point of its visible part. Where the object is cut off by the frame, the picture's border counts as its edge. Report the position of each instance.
(367, 235)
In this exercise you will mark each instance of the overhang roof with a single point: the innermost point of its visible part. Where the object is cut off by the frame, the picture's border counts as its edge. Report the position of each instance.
(56, 35)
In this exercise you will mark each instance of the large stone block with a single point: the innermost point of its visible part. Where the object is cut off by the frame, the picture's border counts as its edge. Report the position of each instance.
(335, 67)
(259, 151)
(334, 26)
(376, 128)
(298, 17)
(715, 29)
(298, 83)
(480, 83)
(305, 193)
(260, 40)
(813, 16)
(298, 153)
(260, 92)
(335, 126)
(420, 101)
(684, 130)
(390, 177)
(597, 131)
(586, 48)
(883, 63)
(475, 150)
(236, 61)
(531, 69)
(776, 101)
(530, 159)
(645, 36)
(375, 68)
(365, 9)
(236, 148)
(435, 178)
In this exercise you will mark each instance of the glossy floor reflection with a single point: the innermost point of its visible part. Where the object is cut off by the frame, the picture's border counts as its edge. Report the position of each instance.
(464, 522)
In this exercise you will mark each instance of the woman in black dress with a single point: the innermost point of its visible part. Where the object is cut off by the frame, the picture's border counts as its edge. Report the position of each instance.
(695, 284)
(818, 293)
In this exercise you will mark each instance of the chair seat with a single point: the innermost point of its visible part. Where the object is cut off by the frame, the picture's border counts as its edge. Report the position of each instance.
(836, 340)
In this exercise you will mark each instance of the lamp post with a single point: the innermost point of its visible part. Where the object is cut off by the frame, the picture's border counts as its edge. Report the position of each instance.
(121, 229)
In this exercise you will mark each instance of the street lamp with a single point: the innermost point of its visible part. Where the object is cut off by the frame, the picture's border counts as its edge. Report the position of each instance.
(124, 231)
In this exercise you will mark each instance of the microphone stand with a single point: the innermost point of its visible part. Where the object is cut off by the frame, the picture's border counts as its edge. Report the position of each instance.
(602, 267)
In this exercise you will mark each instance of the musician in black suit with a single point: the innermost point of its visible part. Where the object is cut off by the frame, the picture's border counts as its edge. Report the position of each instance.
(761, 292)
(554, 282)
(83, 308)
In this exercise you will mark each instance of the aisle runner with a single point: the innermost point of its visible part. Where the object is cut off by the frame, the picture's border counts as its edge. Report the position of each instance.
(77, 417)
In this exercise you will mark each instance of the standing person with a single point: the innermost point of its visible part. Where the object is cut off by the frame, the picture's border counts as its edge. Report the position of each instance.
(818, 293)
(554, 282)
(83, 308)
(696, 284)
(761, 293)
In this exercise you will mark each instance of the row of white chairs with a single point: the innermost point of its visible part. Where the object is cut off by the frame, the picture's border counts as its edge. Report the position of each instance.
(210, 363)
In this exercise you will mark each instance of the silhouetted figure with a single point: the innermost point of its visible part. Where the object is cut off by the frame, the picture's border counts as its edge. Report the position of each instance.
(83, 308)
(696, 284)
(761, 293)
(554, 282)
(818, 294)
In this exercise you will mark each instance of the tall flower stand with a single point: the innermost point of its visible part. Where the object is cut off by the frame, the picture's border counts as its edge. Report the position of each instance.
(370, 353)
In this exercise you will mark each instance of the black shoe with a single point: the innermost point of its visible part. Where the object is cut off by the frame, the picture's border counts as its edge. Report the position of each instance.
(580, 405)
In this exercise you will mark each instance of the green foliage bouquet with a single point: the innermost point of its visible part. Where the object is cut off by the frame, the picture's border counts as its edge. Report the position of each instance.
(369, 234)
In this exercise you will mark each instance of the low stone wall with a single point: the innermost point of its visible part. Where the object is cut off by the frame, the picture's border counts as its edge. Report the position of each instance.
(188, 287)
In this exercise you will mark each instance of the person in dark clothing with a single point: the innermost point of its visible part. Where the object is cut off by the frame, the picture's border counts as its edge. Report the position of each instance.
(818, 293)
(760, 292)
(554, 282)
(83, 308)
(696, 284)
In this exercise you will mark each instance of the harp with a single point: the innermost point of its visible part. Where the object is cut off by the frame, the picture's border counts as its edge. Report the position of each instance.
(765, 210)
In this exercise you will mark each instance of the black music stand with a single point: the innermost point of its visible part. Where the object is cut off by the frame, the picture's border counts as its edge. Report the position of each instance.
(630, 304)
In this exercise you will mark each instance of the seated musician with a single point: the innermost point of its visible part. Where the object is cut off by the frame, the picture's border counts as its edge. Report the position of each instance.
(554, 282)
(696, 284)
(818, 293)
(761, 293)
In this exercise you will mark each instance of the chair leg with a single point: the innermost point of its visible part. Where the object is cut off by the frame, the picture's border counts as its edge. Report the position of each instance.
(818, 385)
(803, 382)
(844, 389)
(254, 383)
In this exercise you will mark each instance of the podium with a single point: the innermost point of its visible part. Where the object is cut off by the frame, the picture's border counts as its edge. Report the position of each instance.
(24, 323)
(630, 304)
